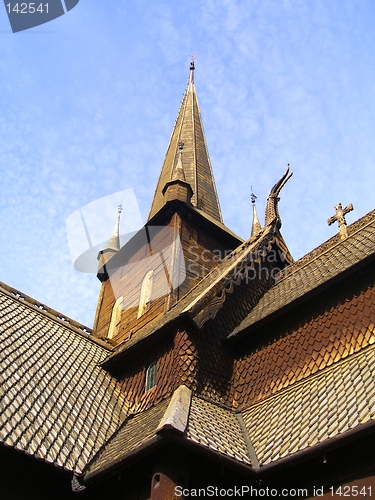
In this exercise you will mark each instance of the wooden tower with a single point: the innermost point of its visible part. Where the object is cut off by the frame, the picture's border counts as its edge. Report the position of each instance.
(183, 239)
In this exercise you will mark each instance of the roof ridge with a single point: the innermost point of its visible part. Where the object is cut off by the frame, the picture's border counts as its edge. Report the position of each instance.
(51, 313)
(326, 246)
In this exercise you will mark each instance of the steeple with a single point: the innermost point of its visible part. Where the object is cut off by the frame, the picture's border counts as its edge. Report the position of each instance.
(114, 240)
(256, 227)
(113, 246)
(194, 163)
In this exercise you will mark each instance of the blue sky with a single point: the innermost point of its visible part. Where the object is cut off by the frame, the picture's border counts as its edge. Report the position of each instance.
(88, 102)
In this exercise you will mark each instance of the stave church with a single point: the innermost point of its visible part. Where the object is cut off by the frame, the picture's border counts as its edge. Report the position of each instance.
(215, 366)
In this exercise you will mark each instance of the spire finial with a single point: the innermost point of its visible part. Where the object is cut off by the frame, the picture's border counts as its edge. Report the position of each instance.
(253, 197)
(340, 218)
(119, 211)
(192, 68)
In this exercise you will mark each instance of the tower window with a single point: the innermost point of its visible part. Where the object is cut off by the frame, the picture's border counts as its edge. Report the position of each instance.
(145, 297)
(114, 325)
(151, 376)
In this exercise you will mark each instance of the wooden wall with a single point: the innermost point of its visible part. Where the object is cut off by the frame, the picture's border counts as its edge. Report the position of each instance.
(126, 281)
(180, 256)
(177, 363)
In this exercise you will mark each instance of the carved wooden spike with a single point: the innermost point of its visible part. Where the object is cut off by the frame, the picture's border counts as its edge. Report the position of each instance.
(272, 212)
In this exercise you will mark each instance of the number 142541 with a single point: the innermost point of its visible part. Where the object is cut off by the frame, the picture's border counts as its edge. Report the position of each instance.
(27, 8)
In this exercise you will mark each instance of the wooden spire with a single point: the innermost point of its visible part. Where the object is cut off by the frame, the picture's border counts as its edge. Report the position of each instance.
(113, 246)
(114, 240)
(256, 227)
(196, 164)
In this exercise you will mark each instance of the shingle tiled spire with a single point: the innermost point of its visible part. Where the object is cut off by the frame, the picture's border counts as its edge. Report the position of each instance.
(195, 161)
(113, 246)
(114, 240)
(256, 228)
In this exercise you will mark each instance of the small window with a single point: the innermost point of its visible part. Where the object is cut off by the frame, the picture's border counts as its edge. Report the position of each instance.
(145, 297)
(115, 323)
(151, 376)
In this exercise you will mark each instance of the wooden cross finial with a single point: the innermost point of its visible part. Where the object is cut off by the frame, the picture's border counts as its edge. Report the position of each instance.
(340, 218)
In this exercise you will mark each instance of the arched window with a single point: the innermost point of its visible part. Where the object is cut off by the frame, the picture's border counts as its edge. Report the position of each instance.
(114, 325)
(145, 297)
(151, 376)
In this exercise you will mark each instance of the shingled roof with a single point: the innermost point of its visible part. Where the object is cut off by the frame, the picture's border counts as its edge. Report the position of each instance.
(331, 260)
(248, 398)
(334, 402)
(333, 399)
(193, 419)
(327, 405)
(59, 405)
(56, 402)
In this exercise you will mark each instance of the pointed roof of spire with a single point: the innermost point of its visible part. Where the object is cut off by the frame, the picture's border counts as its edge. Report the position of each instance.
(194, 163)
(114, 240)
(112, 247)
(256, 227)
